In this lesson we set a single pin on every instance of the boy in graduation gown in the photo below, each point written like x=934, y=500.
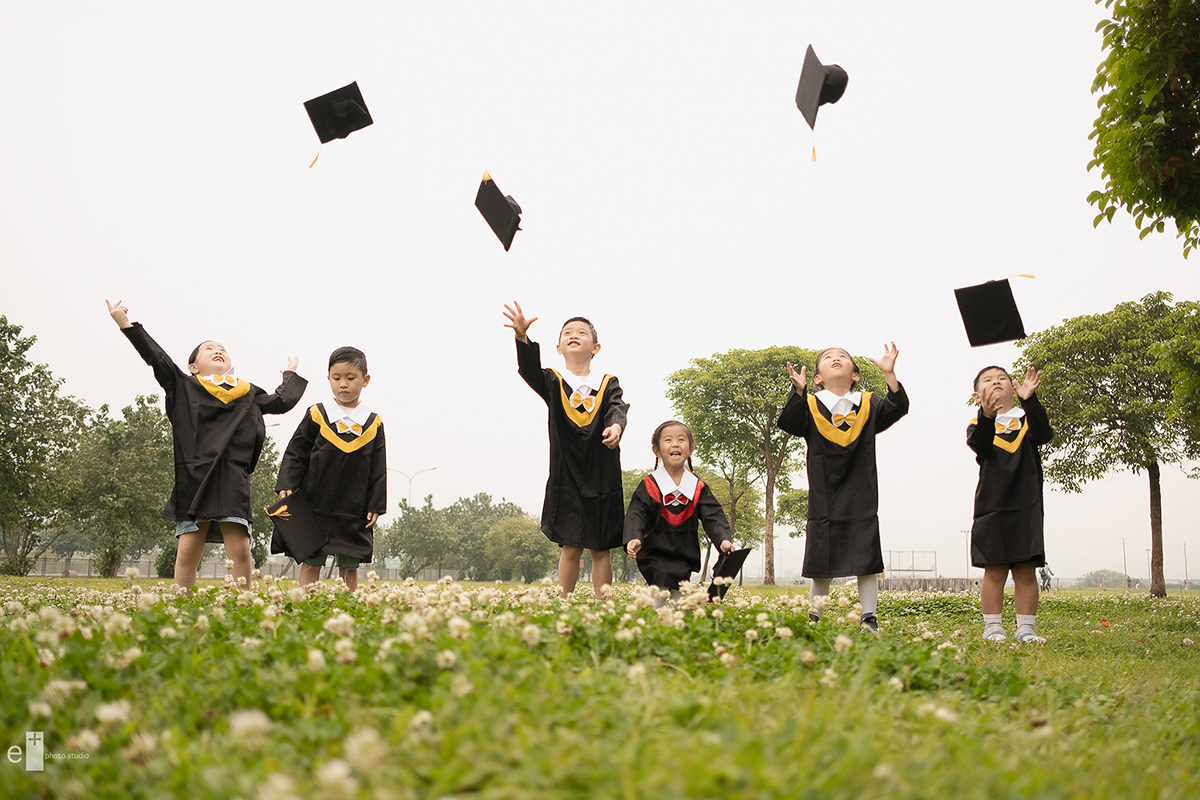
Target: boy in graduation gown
x=839, y=426
x=584, y=505
x=1007, y=531
x=338, y=458
x=218, y=432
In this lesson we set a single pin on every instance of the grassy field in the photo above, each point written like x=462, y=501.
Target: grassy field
x=459, y=690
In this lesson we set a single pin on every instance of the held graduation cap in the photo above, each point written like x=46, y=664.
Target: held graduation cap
x=989, y=313
x=297, y=531
x=728, y=566
x=501, y=211
x=819, y=84
x=338, y=114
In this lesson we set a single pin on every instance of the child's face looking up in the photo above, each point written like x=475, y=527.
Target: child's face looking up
x=674, y=447
x=576, y=339
x=994, y=389
x=837, y=365
x=346, y=381
x=211, y=359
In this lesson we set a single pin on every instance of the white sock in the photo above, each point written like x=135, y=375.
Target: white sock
x=868, y=593
x=993, y=622
x=819, y=588
x=1025, y=623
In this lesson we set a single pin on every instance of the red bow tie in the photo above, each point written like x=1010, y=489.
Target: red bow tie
x=675, y=498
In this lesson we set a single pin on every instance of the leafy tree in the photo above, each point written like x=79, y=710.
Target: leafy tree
x=1112, y=579
x=470, y=519
x=731, y=401
x=120, y=479
x=38, y=429
x=1148, y=132
x=1180, y=357
x=1110, y=402
x=263, y=494
x=518, y=549
x=420, y=537
x=793, y=510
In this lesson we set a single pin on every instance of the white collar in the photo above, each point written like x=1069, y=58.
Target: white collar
x=666, y=485
x=336, y=411
x=217, y=380
x=836, y=404
x=1016, y=412
x=575, y=382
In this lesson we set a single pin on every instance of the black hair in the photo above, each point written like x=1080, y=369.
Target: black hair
x=349, y=355
x=654, y=437
x=853, y=363
x=591, y=327
x=975, y=384
x=196, y=353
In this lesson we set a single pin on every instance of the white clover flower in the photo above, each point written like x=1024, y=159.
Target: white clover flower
x=563, y=628
x=56, y=692
x=201, y=623
x=728, y=659
x=250, y=642
x=1188, y=642
x=458, y=627
x=421, y=720
x=365, y=749
x=249, y=726
x=40, y=709
x=167, y=632
x=783, y=632
x=132, y=573
x=316, y=660
x=334, y=776
x=531, y=634
x=297, y=594
x=625, y=634
x=141, y=748
x=751, y=634
x=636, y=671
x=277, y=787
x=718, y=614
x=446, y=659
x=842, y=643
x=829, y=678
x=460, y=686
x=229, y=565
x=86, y=741
x=341, y=625
x=896, y=683
x=345, y=651
x=699, y=613
x=808, y=658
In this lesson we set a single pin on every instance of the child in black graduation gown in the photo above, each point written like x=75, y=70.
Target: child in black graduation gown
x=338, y=458
x=218, y=432
x=1007, y=531
x=584, y=505
x=839, y=425
x=665, y=512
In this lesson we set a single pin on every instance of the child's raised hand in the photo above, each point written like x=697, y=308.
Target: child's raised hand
x=634, y=546
x=887, y=361
x=797, y=378
x=612, y=436
x=727, y=546
x=518, y=322
x=119, y=313
x=293, y=362
x=1033, y=379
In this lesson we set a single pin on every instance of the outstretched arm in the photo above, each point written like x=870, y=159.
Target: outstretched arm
x=794, y=417
x=165, y=371
x=287, y=394
x=517, y=321
x=887, y=365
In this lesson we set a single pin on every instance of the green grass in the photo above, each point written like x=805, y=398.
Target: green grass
x=541, y=699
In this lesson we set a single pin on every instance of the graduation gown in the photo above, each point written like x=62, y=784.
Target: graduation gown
x=1008, y=526
x=584, y=505
x=343, y=476
x=842, y=534
x=218, y=434
x=669, y=530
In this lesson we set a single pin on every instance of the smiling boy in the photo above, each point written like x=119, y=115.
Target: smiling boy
x=218, y=433
x=337, y=456
x=584, y=506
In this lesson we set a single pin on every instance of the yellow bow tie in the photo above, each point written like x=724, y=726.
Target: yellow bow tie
x=578, y=400
x=847, y=418
x=1013, y=424
x=222, y=380
x=352, y=427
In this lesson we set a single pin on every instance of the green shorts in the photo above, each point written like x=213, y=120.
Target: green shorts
x=343, y=562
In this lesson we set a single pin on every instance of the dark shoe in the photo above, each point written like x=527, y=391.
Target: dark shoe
x=870, y=623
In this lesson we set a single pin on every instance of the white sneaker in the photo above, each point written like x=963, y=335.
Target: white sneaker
x=994, y=635
x=1030, y=637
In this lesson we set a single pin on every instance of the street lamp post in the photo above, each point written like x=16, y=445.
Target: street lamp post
x=1147, y=565
x=1124, y=563
x=1185, y=575
x=410, y=478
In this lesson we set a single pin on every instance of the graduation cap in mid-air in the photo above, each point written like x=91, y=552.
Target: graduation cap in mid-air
x=338, y=114
x=501, y=211
x=728, y=566
x=989, y=313
x=297, y=531
x=819, y=84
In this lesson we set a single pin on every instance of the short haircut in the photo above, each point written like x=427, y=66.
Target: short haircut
x=591, y=327
x=196, y=353
x=978, y=375
x=349, y=355
x=853, y=363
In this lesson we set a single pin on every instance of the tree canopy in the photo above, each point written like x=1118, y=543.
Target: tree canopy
x=1148, y=132
x=517, y=548
x=1109, y=401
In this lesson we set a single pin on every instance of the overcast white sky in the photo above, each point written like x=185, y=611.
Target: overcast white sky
x=158, y=154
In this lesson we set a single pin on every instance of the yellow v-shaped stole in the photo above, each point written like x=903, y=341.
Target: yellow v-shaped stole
x=830, y=431
x=337, y=441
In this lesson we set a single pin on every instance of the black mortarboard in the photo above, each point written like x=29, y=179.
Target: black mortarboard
x=501, y=211
x=990, y=313
x=728, y=566
x=297, y=532
x=338, y=114
x=819, y=84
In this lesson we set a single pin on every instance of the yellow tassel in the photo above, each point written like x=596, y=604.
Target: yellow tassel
x=310, y=166
x=1025, y=275
x=814, y=152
